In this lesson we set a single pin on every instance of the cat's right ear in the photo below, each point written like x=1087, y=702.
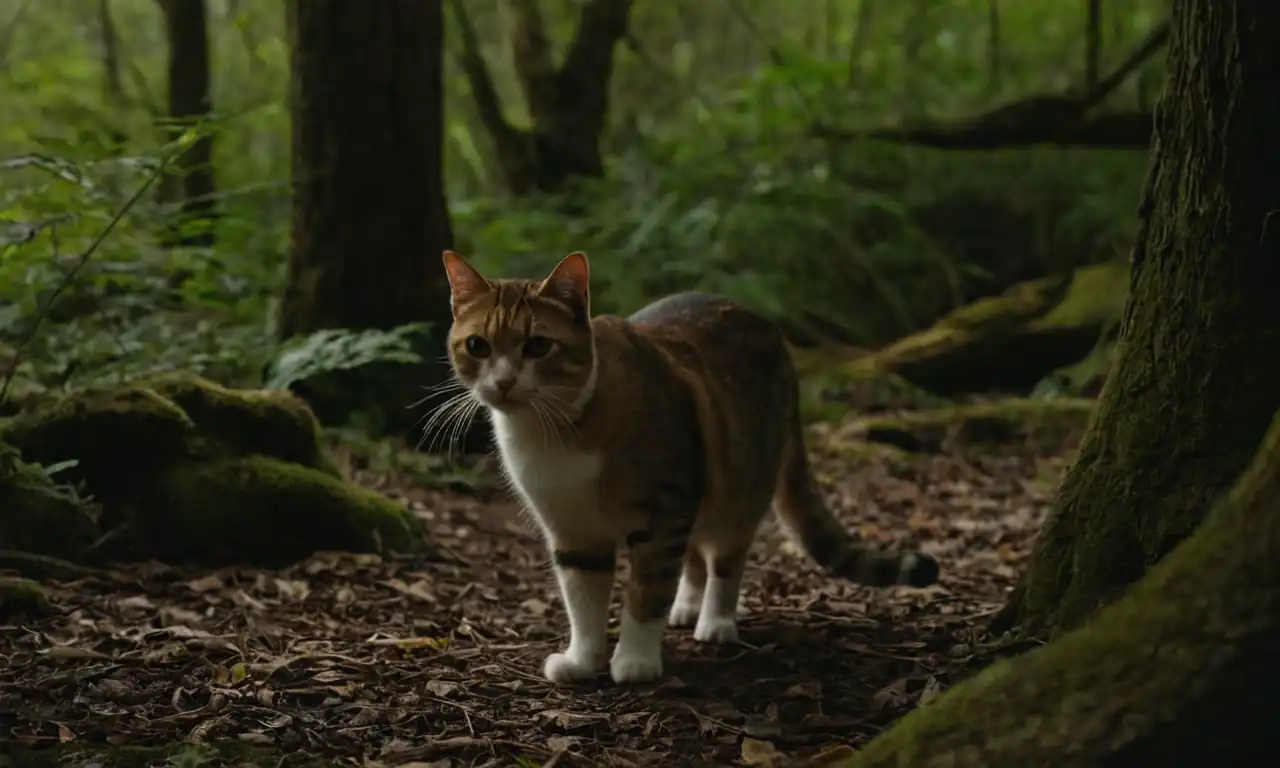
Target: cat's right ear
x=465, y=283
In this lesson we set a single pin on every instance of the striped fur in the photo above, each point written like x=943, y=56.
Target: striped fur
x=670, y=433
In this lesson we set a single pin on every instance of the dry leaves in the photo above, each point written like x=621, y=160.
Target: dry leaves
x=435, y=661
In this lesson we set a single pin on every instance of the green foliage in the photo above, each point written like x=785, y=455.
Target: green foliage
x=715, y=180
x=340, y=349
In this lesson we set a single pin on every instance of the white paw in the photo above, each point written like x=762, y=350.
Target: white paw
x=719, y=630
x=635, y=668
x=563, y=668
x=683, y=614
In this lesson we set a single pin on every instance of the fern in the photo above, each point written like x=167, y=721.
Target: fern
x=334, y=349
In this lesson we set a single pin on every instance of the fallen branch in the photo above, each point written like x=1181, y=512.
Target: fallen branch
x=1061, y=119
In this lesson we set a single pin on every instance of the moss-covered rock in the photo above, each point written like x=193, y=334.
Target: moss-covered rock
x=831, y=385
x=266, y=511
x=36, y=515
x=22, y=598
x=270, y=422
x=1042, y=422
x=1011, y=341
x=118, y=436
x=35, y=521
x=185, y=468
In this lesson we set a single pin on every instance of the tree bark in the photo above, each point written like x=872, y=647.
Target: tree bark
x=1179, y=672
x=1193, y=388
x=568, y=104
x=190, y=100
x=369, y=213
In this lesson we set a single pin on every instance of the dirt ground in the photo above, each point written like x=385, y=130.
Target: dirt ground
x=436, y=660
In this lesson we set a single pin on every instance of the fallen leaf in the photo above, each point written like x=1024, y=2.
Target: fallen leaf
x=441, y=688
x=757, y=752
x=206, y=584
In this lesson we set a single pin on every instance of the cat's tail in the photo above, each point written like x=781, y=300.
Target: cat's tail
x=807, y=520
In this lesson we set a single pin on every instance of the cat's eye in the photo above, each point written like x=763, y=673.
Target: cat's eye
x=478, y=347
x=537, y=346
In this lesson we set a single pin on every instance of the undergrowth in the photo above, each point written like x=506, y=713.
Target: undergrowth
x=714, y=182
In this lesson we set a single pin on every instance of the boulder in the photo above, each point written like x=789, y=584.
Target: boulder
x=178, y=467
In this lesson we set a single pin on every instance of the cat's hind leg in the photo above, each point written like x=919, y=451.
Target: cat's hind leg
x=718, y=618
x=689, y=595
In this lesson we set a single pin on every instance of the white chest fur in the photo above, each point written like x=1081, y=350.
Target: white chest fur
x=559, y=484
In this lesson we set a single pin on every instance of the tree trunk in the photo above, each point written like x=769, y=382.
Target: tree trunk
x=1193, y=387
x=568, y=104
x=1179, y=672
x=369, y=213
x=190, y=100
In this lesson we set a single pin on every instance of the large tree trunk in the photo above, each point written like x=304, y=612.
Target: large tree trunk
x=1195, y=383
x=190, y=100
x=1180, y=672
x=369, y=216
x=568, y=103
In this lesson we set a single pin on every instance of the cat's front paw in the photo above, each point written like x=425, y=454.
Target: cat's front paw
x=635, y=667
x=683, y=614
x=564, y=668
x=719, y=630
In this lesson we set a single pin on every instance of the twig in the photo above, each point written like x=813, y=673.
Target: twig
x=70, y=277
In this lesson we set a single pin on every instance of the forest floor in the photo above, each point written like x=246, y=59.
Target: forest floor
x=436, y=660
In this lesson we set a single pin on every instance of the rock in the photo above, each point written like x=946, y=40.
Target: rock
x=267, y=512
x=118, y=436
x=36, y=516
x=270, y=422
x=182, y=467
x=22, y=598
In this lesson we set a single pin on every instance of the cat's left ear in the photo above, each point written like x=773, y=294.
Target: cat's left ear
x=570, y=282
x=465, y=282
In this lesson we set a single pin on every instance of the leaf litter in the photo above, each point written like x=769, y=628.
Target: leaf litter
x=435, y=659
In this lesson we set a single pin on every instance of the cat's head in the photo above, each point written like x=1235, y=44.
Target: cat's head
x=523, y=343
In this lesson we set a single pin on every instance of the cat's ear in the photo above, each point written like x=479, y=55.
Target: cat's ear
x=570, y=282
x=465, y=283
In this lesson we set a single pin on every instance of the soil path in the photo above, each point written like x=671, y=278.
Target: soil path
x=436, y=660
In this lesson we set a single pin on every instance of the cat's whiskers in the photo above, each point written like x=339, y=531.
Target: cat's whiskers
x=444, y=420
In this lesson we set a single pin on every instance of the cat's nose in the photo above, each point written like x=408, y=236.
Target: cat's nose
x=504, y=383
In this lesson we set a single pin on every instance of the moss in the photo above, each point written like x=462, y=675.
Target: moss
x=270, y=422
x=1013, y=340
x=39, y=522
x=119, y=436
x=833, y=383
x=1049, y=422
x=265, y=511
x=22, y=598
x=1178, y=672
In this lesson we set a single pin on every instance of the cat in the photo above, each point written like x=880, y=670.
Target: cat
x=672, y=431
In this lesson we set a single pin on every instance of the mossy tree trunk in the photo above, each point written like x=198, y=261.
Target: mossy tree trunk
x=1179, y=672
x=568, y=103
x=1195, y=383
x=369, y=213
x=190, y=100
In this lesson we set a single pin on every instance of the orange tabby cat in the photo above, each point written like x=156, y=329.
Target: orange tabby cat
x=673, y=431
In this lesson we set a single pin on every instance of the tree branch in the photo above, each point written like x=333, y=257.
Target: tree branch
x=535, y=68
x=588, y=65
x=488, y=104
x=1040, y=119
